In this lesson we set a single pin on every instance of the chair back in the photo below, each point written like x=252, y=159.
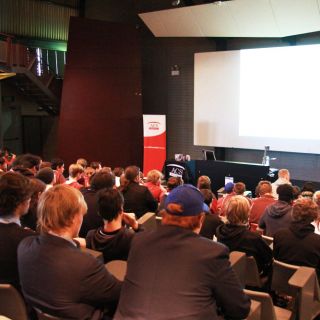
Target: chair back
x=11, y=303
x=96, y=254
x=148, y=221
x=238, y=263
x=118, y=268
x=45, y=316
x=308, y=300
x=252, y=277
x=268, y=311
x=268, y=240
x=282, y=272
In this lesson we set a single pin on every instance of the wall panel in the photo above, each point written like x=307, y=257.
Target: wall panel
x=101, y=112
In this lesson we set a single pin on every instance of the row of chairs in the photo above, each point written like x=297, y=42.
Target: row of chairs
x=301, y=283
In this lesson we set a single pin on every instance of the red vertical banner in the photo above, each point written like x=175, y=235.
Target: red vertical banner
x=154, y=136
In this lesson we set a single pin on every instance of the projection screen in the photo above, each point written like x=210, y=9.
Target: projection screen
x=258, y=97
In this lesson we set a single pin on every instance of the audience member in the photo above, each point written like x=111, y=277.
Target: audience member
x=96, y=166
x=278, y=215
x=172, y=183
x=265, y=198
x=118, y=172
x=192, y=274
x=296, y=193
x=154, y=184
x=114, y=238
x=204, y=182
x=137, y=199
x=82, y=162
x=222, y=202
x=58, y=166
x=75, y=173
x=211, y=221
x=45, y=164
x=93, y=220
x=56, y=276
x=8, y=157
x=236, y=236
x=308, y=189
x=14, y=203
x=28, y=164
x=46, y=175
x=30, y=219
x=283, y=178
x=298, y=244
x=3, y=165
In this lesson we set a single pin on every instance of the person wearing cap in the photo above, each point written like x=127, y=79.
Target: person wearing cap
x=278, y=215
x=228, y=189
x=173, y=273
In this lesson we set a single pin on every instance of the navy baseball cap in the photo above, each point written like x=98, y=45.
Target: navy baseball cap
x=189, y=198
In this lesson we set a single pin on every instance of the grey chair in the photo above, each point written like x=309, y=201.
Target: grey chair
x=302, y=284
x=118, y=268
x=96, y=254
x=12, y=304
x=268, y=240
x=268, y=310
x=238, y=263
x=252, y=276
x=148, y=221
x=45, y=316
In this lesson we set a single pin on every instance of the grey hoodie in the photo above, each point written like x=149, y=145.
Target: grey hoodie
x=276, y=216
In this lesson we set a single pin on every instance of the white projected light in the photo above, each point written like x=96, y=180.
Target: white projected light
x=257, y=97
x=282, y=83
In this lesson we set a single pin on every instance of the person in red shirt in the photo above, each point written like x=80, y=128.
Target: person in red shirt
x=259, y=204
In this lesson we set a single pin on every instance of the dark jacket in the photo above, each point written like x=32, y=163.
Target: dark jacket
x=276, y=216
x=114, y=245
x=91, y=220
x=239, y=238
x=209, y=226
x=138, y=199
x=174, y=273
x=298, y=245
x=58, y=278
x=10, y=236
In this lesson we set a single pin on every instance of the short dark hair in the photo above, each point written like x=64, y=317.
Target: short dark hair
x=239, y=188
x=131, y=173
x=56, y=162
x=110, y=203
x=95, y=165
x=285, y=192
x=173, y=182
x=118, y=171
x=14, y=189
x=28, y=161
x=46, y=175
x=102, y=179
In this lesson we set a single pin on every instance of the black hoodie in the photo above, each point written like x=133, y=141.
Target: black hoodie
x=298, y=245
x=239, y=238
x=114, y=245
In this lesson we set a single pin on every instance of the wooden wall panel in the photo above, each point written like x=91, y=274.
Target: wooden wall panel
x=101, y=112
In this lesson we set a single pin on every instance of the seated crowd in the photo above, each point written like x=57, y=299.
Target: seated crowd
x=175, y=271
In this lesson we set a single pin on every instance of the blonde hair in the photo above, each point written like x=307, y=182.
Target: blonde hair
x=58, y=206
x=237, y=210
x=74, y=169
x=154, y=176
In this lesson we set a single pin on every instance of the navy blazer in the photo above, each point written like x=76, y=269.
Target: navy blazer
x=60, y=279
x=174, y=273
